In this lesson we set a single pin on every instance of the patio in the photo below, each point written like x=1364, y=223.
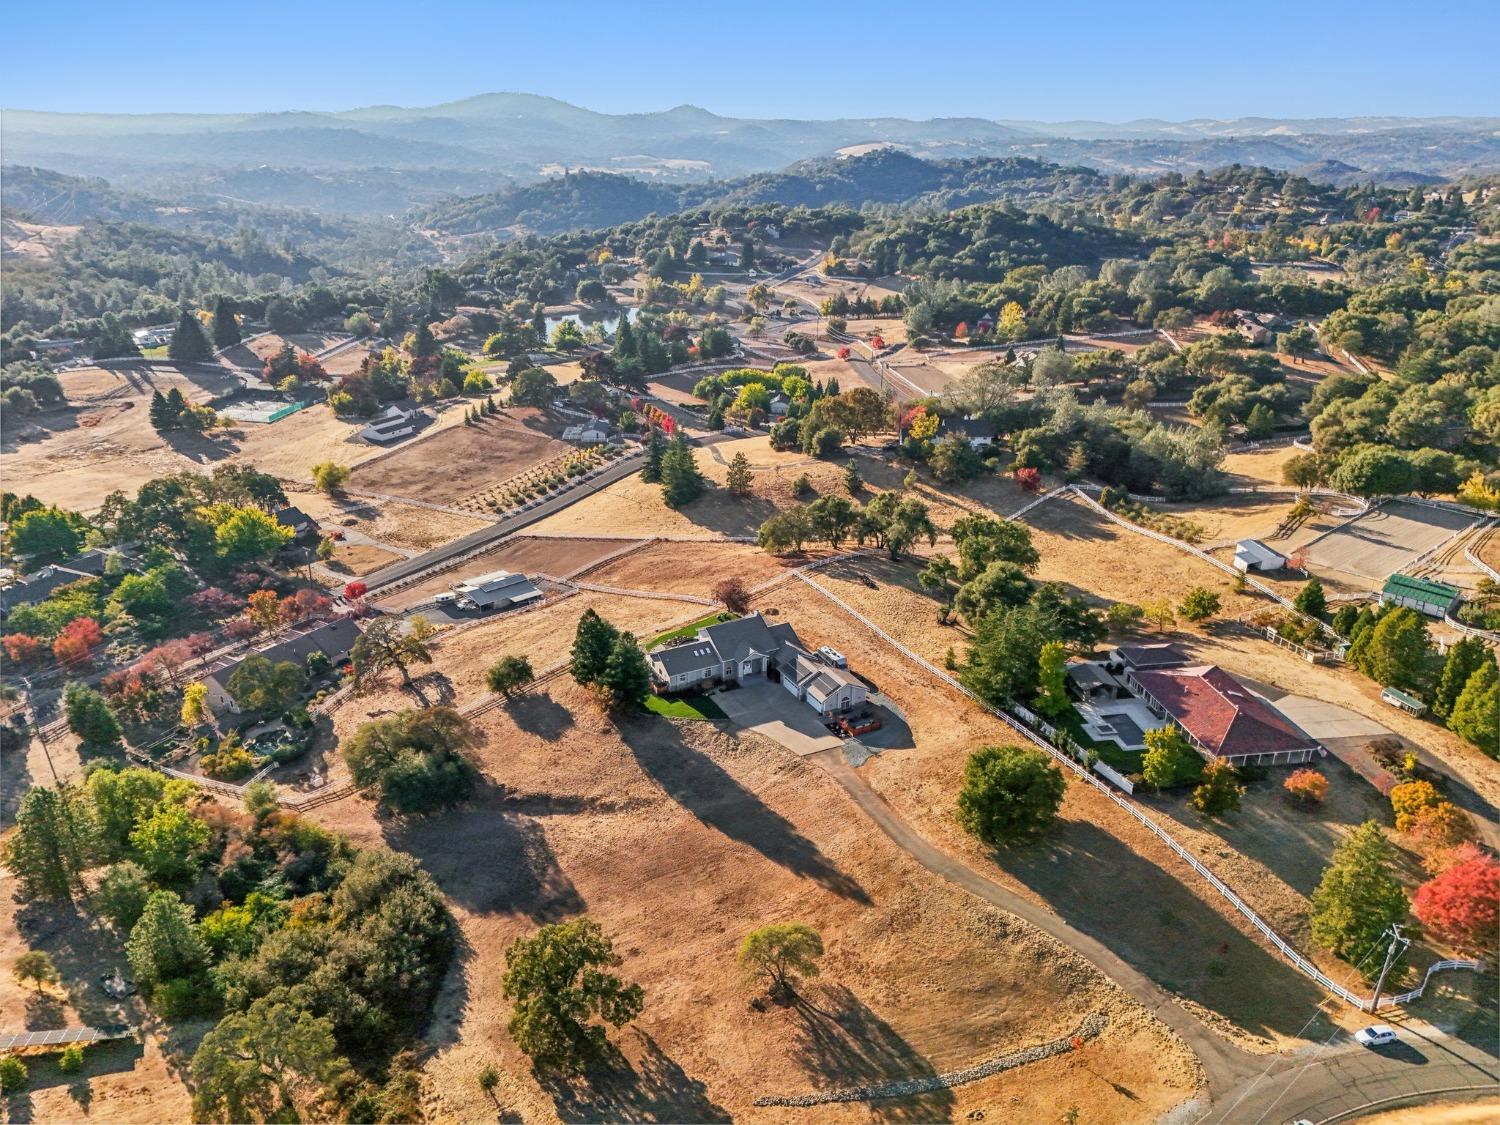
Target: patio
x=1122, y=721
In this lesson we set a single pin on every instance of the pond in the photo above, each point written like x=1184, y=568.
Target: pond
x=607, y=321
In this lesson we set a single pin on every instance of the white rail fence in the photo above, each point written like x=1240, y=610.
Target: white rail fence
x=1299, y=962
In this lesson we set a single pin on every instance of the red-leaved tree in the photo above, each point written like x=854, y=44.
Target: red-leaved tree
x=353, y=591
x=22, y=649
x=77, y=639
x=732, y=592
x=1030, y=479
x=1462, y=905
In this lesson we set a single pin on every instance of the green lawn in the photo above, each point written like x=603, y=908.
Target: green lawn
x=1126, y=761
x=691, y=628
x=155, y=353
x=684, y=707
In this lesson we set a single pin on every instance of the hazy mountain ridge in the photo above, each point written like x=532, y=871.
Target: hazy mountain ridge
x=591, y=200
x=521, y=134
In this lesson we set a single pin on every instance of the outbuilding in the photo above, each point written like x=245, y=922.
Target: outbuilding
x=1252, y=554
x=1436, y=599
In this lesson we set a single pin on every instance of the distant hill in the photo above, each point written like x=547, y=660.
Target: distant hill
x=591, y=200
x=523, y=135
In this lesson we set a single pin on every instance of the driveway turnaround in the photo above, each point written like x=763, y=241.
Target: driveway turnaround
x=1327, y=720
x=771, y=710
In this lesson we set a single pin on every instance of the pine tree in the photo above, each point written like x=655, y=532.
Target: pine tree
x=626, y=680
x=625, y=346
x=1463, y=660
x=656, y=448
x=681, y=481
x=189, y=341
x=115, y=341
x=1476, y=711
x=53, y=842
x=160, y=413
x=425, y=343
x=852, y=480
x=164, y=945
x=1394, y=652
x=177, y=406
x=738, y=479
x=716, y=418
x=1358, y=897
x=226, y=325
x=489, y=405
x=1311, y=600
x=593, y=643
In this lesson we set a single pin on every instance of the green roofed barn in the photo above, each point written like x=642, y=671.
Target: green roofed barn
x=1436, y=599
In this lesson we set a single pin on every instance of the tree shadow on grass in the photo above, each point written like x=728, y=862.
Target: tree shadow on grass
x=652, y=1088
x=540, y=715
x=710, y=793
x=1098, y=884
x=843, y=1043
x=83, y=951
x=1079, y=522
x=489, y=859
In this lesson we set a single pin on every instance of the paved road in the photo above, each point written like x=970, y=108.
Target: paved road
x=1226, y=1066
x=1316, y=1083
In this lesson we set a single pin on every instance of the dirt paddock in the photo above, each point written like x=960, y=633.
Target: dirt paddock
x=1384, y=540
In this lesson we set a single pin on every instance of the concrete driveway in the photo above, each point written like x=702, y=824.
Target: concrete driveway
x=771, y=710
x=1327, y=720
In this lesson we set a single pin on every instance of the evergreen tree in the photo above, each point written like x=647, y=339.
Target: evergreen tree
x=656, y=448
x=425, y=343
x=1394, y=652
x=593, y=644
x=626, y=681
x=189, y=341
x=539, y=321
x=1311, y=600
x=160, y=413
x=739, y=478
x=164, y=945
x=852, y=480
x=177, y=406
x=716, y=418
x=1463, y=660
x=226, y=325
x=1358, y=898
x=1476, y=711
x=681, y=482
x=53, y=842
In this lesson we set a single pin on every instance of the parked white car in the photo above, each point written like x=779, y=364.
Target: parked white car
x=1377, y=1035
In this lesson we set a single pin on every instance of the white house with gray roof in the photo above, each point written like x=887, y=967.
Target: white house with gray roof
x=748, y=649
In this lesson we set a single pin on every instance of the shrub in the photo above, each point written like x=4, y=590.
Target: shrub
x=71, y=1060
x=1410, y=799
x=13, y=1074
x=1221, y=790
x=1307, y=786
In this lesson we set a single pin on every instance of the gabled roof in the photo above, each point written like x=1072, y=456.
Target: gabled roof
x=1258, y=553
x=686, y=656
x=1420, y=589
x=1160, y=654
x=39, y=586
x=292, y=516
x=975, y=429
x=1222, y=714
x=331, y=638
x=735, y=640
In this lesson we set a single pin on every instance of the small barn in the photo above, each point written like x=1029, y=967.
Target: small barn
x=1252, y=554
x=1435, y=599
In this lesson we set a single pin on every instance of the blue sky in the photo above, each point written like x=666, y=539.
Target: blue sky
x=1045, y=59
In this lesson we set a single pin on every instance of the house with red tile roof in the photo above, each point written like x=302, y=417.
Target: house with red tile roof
x=1221, y=717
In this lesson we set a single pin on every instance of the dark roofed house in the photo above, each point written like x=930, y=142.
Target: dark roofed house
x=747, y=649
x=38, y=587
x=976, y=431
x=334, y=639
x=295, y=518
x=1221, y=717
x=1158, y=654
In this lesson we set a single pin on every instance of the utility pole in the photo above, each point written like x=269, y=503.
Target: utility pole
x=1397, y=940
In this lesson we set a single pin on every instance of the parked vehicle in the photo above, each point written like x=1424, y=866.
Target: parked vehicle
x=834, y=657
x=856, y=725
x=1376, y=1035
